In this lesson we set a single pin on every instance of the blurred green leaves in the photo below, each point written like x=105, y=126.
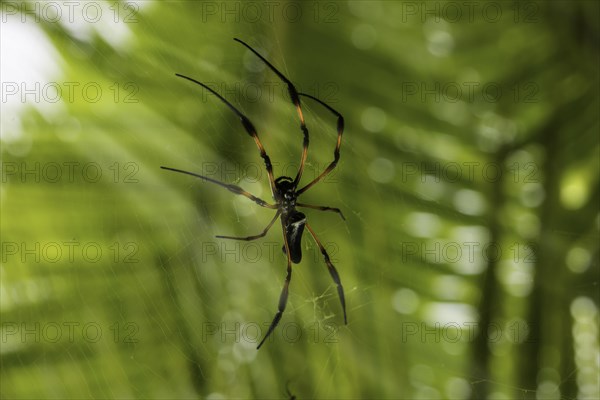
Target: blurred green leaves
x=468, y=175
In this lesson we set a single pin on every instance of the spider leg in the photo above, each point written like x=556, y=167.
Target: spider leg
x=294, y=96
x=336, y=152
x=248, y=126
x=322, y=208
x=262, y=234
x=332, y=271
x=284, y=292
x=232, y=188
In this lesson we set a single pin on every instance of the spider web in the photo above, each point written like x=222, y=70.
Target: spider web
x=313, y=309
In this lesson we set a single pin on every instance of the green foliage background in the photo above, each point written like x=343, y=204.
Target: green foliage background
x=429, y=169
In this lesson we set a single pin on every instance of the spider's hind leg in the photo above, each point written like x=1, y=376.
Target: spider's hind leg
x=332, y=271
x=283, y=297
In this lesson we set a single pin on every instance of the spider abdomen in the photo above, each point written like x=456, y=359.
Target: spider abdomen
x=294, y=226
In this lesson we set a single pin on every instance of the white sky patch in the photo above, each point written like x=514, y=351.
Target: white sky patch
x=28, y=63
x=108, y=20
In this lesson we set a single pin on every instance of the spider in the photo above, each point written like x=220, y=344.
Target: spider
x=284, y=191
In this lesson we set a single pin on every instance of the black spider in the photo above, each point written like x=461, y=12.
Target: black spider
x=285, y=192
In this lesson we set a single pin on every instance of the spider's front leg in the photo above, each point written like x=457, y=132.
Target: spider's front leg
x=248, y=238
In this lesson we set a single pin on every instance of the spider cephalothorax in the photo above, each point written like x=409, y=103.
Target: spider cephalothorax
x=285, y=192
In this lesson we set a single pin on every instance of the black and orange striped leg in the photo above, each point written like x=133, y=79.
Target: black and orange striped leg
x=248, y=126
x=284, y=292
x=322, y=208
x=295, y=97
x=332, y=271
x=232, y=188
x=262, y=234
x=336, y=152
